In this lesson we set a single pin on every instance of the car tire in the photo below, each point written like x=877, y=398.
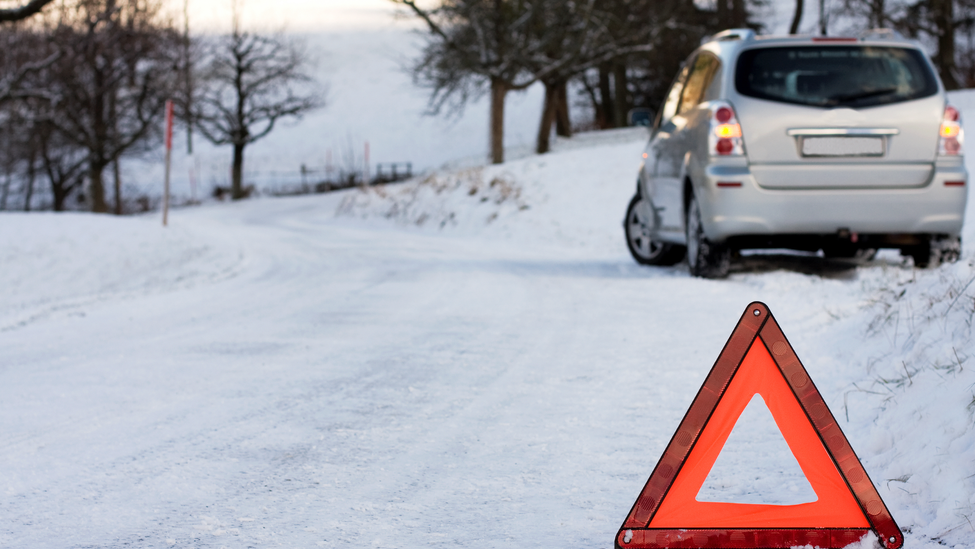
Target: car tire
x=935, y=251
x=645, y=249
x=705, y=259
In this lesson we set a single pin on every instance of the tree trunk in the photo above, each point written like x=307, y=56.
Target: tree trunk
x=878, y=14
x=60, y=188
x=188, y=77
x=31, y=176
x=796, y=18
x=5, y=192
x=620, y=104
x=99, y=105
x=96, y=188
x=498, y=91
x=58, y=203
x=739, y=15
x=118, y=187
x=563, y=125
x=722, y=12
x=823, y=23
x=237, y=173
x=597, y=108
x=543, y=145
x=59, y=195
x=945, y=21
x=606, y=97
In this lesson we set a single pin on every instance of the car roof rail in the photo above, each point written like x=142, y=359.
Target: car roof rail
x=732, y=34
x=880, y=34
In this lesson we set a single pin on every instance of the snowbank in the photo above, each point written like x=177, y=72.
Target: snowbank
x=569, y=198
x=55, y=263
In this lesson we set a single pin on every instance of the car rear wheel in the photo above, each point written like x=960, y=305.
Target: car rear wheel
x=705, y=259
x=936, y=251
x=645, y=249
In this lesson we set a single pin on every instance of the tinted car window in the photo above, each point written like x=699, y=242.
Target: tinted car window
x=669, y=108
x=700, y=78
x=714, y=89
x=833, y=76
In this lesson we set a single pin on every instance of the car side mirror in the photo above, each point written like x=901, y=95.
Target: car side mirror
x=640, y=116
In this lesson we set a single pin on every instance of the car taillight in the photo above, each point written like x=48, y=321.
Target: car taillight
x=952, y=136
x=725, y=137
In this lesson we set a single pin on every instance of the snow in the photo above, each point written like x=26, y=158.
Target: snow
x=467, y=359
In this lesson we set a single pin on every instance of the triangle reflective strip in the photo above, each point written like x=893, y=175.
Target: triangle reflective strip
x=758, y=359
x=835, y=506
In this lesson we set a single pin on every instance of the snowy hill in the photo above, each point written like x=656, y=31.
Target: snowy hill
x=370, y=98
x=467, y=359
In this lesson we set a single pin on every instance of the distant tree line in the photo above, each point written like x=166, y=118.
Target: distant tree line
x=83, y=84
x=623, y=54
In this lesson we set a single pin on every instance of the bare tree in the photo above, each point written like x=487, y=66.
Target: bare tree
x=188, y=57
x=23, y=12
x=965, y=59
x=473, y=45
x=571, y=37
x=62, y=162
x=797, y=17
x=936, y=18
x=942, y=24
x=110, y=82
x=508, y=45
x=9, y=154
x=873, y=14
x=23, y=54
x=247, y=83
x=668, y=30
x=577, y=36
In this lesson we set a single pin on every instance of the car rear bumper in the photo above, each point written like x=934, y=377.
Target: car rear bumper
x=730, y=210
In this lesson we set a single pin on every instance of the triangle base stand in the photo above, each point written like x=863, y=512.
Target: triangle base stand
x=778, y=538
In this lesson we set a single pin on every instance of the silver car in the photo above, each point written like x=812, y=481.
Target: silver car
x=844, y=145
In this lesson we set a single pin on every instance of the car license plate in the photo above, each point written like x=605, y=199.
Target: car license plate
x=843, y=146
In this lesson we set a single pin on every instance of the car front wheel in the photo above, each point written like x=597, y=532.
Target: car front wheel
x=644, y=248
x=705, y=259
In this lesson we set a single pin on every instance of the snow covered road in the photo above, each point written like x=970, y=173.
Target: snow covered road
x=270, y=374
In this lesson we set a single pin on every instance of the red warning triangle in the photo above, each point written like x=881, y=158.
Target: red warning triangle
x=758, y=360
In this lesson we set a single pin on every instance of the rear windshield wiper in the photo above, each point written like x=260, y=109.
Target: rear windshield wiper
x=862, y=95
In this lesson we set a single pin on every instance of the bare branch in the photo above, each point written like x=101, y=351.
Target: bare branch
x=10, y=88
x=17, y=14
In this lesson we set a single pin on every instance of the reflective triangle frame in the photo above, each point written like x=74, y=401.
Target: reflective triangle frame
x=756, y=328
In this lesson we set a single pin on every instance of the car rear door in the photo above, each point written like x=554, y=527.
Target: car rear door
x=673, y=139
x=839, y=116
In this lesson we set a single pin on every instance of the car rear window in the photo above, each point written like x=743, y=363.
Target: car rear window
x=833, y=76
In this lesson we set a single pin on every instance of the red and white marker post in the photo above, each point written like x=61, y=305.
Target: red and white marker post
x=169, y=154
